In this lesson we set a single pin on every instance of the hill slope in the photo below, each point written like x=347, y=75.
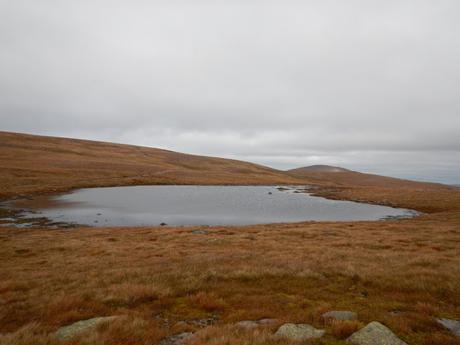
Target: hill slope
x=34, y=164
x=325, y=174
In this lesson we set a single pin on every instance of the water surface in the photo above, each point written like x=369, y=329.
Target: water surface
x=200, y=205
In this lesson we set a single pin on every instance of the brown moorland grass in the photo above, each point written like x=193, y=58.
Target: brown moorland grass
x=401, y=273
x=39, y=164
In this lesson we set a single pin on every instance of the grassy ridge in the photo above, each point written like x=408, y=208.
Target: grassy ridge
x=38, y=164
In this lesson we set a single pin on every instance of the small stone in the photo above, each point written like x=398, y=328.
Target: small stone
x=255, y=323
x=451, y=325
x=203, y=322
x=375, y=334
x=299, y=332
x=247, y=324
x=267, y=321
x=177, y=339
x=78, y=327
x=200, y=232
x=342, y=315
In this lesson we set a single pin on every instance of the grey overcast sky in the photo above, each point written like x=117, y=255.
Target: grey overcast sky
x=372, y=85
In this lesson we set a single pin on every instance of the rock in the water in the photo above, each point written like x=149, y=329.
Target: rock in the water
x=340, y=315
x=375, y=334
x=177, y=339
x=299, y=332
x=72, y=330
x=451, y=325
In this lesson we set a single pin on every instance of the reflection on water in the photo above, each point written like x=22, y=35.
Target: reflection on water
x=200, y=205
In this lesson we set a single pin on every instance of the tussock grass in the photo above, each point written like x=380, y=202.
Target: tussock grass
x=290, y=272
x=343, y=329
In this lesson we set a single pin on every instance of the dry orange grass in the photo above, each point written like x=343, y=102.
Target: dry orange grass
x=401, y=273
x=237, y=336
x=208, y=302
x=291, y=272
x=128, y=330
x=343, y=329
x=37, y=164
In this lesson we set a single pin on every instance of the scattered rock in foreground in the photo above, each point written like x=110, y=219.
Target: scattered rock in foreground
x=247, y=324
x=203, y=322
x=299, y=332
x=255, y=323
x=78, y=327
x=267, y=321
x=193, y=322
x=451, y=325
x=177, y=339
x=375, y=334
x=343, y=315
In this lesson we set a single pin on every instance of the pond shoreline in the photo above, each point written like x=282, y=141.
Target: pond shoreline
x=23, y=215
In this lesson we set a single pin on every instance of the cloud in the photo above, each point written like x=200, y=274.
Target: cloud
x=366, y=84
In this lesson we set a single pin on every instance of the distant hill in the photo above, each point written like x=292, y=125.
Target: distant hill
x=331, y=175
x=353, y=185
x=319, y=168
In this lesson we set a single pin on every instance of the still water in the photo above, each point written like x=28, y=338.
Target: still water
x=200, y=205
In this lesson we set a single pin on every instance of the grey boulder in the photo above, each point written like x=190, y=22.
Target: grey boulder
x=451, y=325
x=375, y=334
x=200, y=232
x=299, y=332
x=255, y=323
x=247, y=324
x=340, y=315
x=177, y=339
x=78, y=327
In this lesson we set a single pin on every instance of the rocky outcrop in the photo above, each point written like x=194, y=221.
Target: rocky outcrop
x=299, y=332
x=375, y=334
x=255, y=323
x=342, y=315
x=451, y=325
x=78, y=327
x=177, y=339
